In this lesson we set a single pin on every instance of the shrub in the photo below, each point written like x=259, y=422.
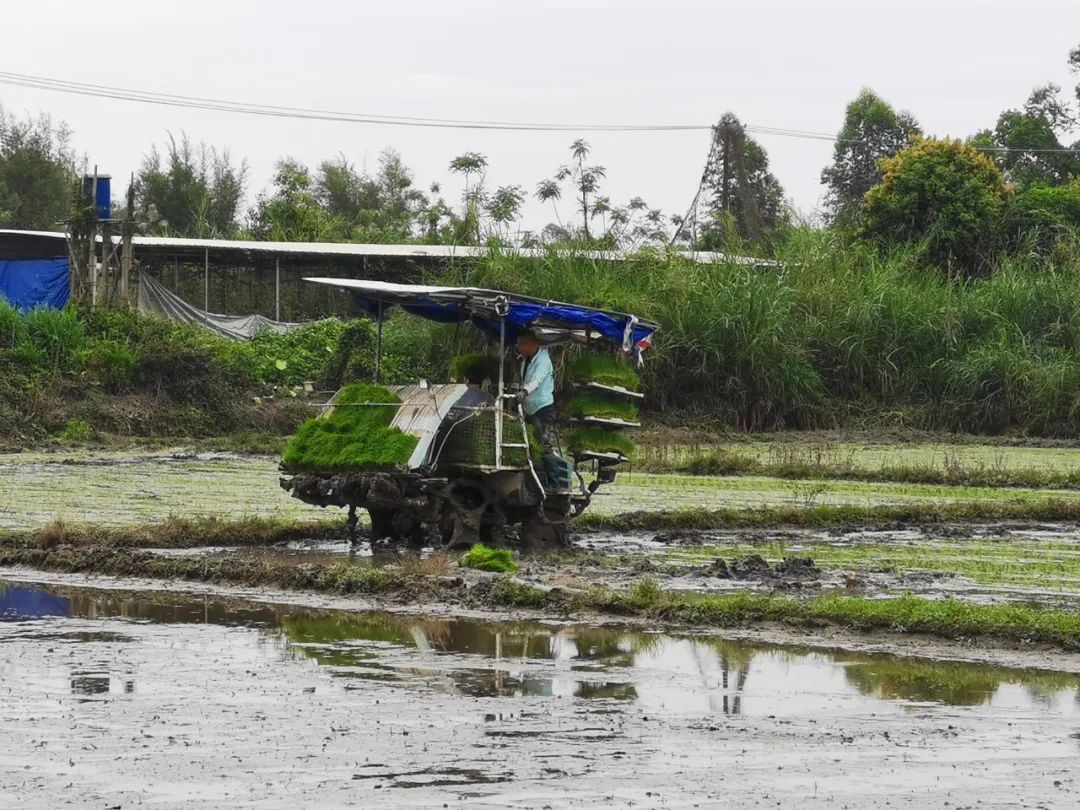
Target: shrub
x=465, y=365
x=58, y=333
x=111, y=363
x=12, y=329
x=946, y=196
x=1041, y=217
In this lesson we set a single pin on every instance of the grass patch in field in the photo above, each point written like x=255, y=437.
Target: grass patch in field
x=975, y=466
x=823, y=515
x=482, y=558
x=947, y=618
x=355, y=436
x=181, y=532
x=1029, y=564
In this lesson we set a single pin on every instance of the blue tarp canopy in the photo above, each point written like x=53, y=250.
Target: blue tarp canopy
x=552, y=321
x=29, y=283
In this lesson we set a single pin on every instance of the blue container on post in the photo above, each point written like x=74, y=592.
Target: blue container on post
x=103, y=195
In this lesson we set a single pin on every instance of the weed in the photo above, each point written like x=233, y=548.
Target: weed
x=645, y=594
x=75, y=431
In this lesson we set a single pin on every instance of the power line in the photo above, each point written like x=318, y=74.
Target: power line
x=310, y=114
x=221, y=105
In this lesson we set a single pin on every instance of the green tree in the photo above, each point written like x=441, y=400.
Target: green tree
x=468, y=164
x=195, y=191
x=37, y=172
x=1028, y=143
x=585, y=178
x=383, y=208
x=944, y=195
x=743, y=198
x=872, y=130
x=291, y=212
x=504, y=207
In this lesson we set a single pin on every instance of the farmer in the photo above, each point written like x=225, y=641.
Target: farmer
x=474, y=396
x=537, y=394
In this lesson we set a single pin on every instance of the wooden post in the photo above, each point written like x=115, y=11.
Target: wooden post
x=91, y=258
x=126, y=242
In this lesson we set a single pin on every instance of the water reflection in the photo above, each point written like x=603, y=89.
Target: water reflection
x=663, y=672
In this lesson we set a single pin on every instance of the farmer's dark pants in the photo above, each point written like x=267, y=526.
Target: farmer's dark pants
x=543, y=422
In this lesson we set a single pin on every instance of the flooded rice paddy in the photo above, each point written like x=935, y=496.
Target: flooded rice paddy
x=115, y=488
x=128, y=699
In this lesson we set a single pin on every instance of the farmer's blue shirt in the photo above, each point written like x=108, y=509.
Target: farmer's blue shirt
x=538, y=380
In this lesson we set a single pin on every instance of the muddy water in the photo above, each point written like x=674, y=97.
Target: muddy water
x=109, y=487
x=115, y=698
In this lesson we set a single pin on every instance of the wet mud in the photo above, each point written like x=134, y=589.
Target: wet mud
x=132, y=699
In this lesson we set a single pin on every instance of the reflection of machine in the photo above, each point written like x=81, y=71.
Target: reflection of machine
x=473, y=473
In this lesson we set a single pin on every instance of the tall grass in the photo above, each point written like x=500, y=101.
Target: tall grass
x=841, y=332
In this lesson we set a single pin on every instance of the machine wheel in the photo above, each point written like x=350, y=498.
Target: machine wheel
x=382, y=523
x=545, y=534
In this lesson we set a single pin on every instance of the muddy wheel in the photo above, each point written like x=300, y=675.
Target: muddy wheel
x=407, y=528
x=540, y=534
x=382, y=523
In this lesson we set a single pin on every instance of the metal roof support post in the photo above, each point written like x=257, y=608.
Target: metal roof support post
x=277, y=289
x=206, y=286
x=378, y=344
x=502, y=391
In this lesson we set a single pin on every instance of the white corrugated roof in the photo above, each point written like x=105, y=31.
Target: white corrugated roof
x=348, y=249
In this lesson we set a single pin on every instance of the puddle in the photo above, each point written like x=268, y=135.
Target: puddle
x=674, y=673
x=117, y=698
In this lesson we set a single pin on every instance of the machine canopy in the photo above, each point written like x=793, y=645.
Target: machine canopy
x=552, y=321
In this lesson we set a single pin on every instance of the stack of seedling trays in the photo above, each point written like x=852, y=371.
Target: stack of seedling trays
x=606, y=401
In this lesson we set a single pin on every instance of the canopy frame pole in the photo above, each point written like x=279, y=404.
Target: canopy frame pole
x=206, y=286
x=277, y=289
x=378, y=344
x=502, y=393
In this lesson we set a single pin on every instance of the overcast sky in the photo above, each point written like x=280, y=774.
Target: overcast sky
x=955, y=65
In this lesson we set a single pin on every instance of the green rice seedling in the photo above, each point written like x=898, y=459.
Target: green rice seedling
x=355, y=436
x=598, y=440
x=588, y=368
x=602, y=406
x=482, y=558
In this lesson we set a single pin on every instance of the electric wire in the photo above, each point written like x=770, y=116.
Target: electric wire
x=305, y=113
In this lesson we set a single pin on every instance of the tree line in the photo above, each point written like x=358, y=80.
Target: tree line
x=959, y=203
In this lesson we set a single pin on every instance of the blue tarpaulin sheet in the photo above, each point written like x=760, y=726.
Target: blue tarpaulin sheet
x=29, y=283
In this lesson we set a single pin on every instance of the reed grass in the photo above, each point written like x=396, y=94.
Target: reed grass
x=840, y=332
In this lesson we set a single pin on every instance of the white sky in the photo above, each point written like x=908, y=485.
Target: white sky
x=795, y=65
